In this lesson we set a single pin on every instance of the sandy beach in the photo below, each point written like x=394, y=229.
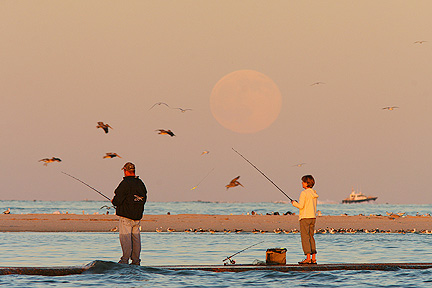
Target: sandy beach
x=213, y=223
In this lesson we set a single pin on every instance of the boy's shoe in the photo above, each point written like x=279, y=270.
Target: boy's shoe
x=305, y=261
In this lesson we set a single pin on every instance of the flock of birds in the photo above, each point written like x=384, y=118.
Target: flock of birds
x=106, y=128
x=233, y=183
x=294, y=231
x=316, y=231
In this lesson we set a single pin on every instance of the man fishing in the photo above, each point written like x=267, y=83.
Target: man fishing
x=129, y=199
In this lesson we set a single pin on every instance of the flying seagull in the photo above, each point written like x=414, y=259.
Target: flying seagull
x=299, y=165
x=103, y=126
x=50, y=160
x=390, y=108
x=111, y=155
x=165, y=132
x=420, y=42
x=317, y=83
x=234, y=182
x=182, y=110
x=205, y=152
x=160, y=103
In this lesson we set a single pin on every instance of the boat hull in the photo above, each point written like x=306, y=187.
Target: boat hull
x=348, y=201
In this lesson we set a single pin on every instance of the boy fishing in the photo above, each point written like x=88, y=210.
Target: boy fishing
x=307, y=216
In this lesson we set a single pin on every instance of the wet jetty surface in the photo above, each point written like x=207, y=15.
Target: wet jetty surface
x=94, y=267
x=44, y=271
x=297, y=267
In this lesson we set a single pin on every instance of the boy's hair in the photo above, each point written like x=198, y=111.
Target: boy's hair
x=309, y=180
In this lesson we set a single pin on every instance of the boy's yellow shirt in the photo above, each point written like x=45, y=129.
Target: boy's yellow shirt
x=307, y=203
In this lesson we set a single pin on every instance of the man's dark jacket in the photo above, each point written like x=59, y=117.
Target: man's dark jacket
x=130, y=197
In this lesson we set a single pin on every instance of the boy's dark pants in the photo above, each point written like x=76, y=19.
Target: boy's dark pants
x=307, y=227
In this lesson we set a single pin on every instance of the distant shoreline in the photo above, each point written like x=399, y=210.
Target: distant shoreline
x=323, y=202
x=215, y=223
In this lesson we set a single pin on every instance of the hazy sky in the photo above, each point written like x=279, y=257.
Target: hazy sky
x=65, y=65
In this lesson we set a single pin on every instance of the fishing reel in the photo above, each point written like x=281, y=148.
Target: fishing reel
x=231, y=261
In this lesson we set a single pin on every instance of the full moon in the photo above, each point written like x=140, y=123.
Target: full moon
x=245, y=101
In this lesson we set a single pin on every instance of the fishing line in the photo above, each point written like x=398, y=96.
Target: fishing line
x=262, y=174
x=202, y=179
x=86, y=185
x=232, y=261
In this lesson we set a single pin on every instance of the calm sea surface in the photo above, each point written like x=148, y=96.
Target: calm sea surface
x=214, y=208
x=72, y=249
x=26, y=249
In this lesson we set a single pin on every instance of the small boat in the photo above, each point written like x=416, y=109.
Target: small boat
x=358, y=197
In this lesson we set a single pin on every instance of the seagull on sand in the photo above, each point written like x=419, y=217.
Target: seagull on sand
x=234, y=182
x=390, y=108
x=111, y=155
x=7, y=211
x=160, y=103
x=165, y=132
x=50, y=160
x=106, y=207
x=103, y=126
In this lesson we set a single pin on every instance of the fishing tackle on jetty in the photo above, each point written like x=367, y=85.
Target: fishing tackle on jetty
x=232, y=262
x=87, y=185
x=263, y=174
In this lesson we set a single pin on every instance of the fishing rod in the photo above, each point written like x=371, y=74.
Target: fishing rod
x=263, y=174
x=86, y=185
x=231, y=260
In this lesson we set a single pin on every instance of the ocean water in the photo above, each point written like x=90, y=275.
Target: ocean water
x=213, y=208
x=30, y=249
x=27, y=249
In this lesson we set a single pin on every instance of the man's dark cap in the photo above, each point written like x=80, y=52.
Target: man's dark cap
x=129, y=167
